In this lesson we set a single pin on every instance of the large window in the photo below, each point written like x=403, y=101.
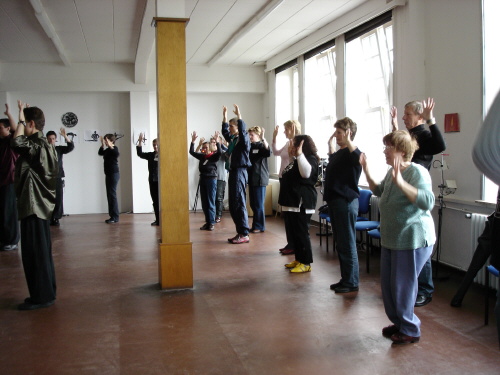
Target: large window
x=287, y=100
x=320, y=96
x=365, y=69
x=369, y=91
x=491, y=79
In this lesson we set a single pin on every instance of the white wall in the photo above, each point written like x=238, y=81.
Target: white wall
x=107, y=112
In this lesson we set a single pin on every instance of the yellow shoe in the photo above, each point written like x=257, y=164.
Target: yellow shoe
x=293, y=264
x=301, y=268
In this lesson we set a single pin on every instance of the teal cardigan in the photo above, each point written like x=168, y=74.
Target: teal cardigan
x=405, y=225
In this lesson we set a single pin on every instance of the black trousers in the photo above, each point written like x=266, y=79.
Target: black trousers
x=36, y=253
x=58, y=208
x=155, y=196
x=219, y=198
x=111, y=184
x=9, y=226
x=238, y=179
x=481, y=255
x=299, y=228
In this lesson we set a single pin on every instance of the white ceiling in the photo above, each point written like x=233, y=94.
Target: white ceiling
x=220, y=32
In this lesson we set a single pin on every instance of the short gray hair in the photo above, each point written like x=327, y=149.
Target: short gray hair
x=416, y=106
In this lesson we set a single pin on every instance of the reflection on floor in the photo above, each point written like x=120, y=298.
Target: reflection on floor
x=245, y=315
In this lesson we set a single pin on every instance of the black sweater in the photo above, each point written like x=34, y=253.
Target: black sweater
x=342, y=175
x=110, y=159
x=152, y=159
x=430, y=142
x=207, y=165
x=296, y=191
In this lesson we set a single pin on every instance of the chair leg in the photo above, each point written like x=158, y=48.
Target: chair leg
x=320, y=232
x=326, y=226
x=487, y=298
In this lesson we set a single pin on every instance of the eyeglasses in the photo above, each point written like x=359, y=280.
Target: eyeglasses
x=388, y=148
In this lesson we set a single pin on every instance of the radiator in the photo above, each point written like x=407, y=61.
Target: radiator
x=477, y=224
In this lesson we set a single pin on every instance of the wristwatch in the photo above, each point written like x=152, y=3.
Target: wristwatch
x=21, y=122
x=431, y=121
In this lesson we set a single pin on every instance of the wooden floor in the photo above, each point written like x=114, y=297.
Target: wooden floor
x=245, y=315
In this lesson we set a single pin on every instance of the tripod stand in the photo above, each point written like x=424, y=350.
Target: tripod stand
x=196, y=197
x=442, y=205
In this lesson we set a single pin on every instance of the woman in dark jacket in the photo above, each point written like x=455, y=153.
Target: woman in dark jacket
x=258, y=177
x=298, y=198
x=208, y=178
x=341, y=193
x=152, y=158
x=110, y=153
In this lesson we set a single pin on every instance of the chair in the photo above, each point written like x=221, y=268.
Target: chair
x=374, y=233
x=364, y=227
x=491, y=269
x=364, y=205
x=326, y=218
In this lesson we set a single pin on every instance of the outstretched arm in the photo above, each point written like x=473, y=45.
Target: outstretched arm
x=13, y=124
x=363, y=160
x=394, y=118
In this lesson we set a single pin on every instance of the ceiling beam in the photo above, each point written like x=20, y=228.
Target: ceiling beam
x=145, y=44
x=49, y=29
x=270, y=7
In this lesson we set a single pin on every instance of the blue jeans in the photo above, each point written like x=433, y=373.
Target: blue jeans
x=208, y=189
x=399, y=271
x=425, y=283
x=343, y=216
x=257, y=195
x=111, y=184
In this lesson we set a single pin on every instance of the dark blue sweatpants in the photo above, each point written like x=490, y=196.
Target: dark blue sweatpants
x=238, y=179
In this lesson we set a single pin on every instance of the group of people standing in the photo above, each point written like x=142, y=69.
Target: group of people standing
x=243, y=153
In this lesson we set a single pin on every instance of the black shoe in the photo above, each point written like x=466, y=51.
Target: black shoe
x=54, y=222
x=207, y=226
x=111, y=221
x=346, y=289
x=155, y=223
x=29, y=305
x=422, y=300
x=336, y=285
x=456, y=302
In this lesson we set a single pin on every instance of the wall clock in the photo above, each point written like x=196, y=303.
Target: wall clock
x=69, y=119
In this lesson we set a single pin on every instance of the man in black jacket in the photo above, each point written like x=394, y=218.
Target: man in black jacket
x=430, y=142
x=238, y=154
x=60, y=150
x=152, y=158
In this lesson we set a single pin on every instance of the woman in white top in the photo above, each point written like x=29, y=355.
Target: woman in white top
x=292, y=128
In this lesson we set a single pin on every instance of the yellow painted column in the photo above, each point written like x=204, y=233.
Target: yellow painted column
x=175, y=248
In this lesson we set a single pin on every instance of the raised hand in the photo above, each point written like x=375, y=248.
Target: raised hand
x=275, y=132
x=397, y=178
x=298, y=151
x=193, y=137
x=263, y=133
x=363, y=160
x=428, y=105
x=7, y=112
x=347, y=138
x=237, y=111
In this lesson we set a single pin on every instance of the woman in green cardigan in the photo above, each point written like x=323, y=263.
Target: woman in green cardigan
x=407, y=233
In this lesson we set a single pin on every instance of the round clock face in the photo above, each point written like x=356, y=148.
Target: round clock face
x=69, y=119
